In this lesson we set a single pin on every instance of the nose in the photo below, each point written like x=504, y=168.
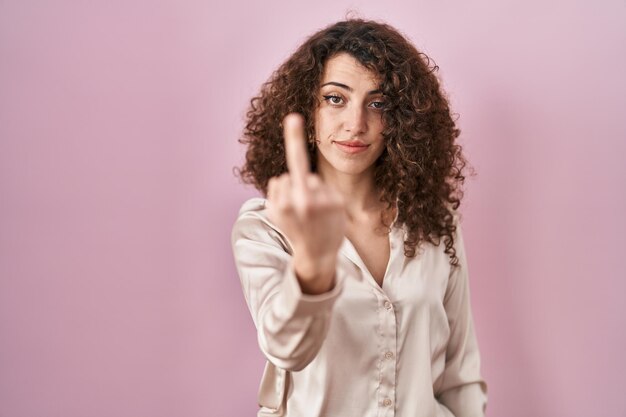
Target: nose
x=355, y=121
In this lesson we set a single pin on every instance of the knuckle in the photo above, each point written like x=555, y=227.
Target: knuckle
x=284, y=205
x=304, y=204
x=285, y=180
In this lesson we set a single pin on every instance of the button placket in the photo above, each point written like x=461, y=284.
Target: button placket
x=387, y=359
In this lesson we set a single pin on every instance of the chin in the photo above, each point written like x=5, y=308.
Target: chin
x=346, y=165
x=351, y=168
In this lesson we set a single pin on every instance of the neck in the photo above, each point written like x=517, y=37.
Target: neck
x=358, y=190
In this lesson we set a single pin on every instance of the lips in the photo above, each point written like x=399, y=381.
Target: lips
x=352, y=146
x=353, y=143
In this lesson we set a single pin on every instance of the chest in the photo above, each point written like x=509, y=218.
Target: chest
x=372, y=246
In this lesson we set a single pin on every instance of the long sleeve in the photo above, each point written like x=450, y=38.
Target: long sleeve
x=461, y=390
x=291, y=326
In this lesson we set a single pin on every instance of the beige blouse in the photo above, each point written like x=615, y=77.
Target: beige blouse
x=406, y=349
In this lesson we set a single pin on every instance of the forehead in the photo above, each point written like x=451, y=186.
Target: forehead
x=344, y=68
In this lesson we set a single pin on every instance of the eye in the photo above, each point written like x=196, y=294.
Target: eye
x=332, y=99
x=378, y=105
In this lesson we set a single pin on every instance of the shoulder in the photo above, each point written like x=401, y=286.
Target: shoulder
x=253, y=224
x=252, y=206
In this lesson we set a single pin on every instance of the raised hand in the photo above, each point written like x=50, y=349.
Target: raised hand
x=309, y=212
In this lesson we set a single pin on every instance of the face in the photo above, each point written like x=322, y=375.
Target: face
x=348, y=121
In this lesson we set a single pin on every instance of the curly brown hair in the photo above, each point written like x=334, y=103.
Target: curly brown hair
x=421, y=169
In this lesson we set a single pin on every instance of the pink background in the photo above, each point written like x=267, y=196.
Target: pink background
x=118, y=129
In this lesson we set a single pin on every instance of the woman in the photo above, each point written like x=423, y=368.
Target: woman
x=353, y=267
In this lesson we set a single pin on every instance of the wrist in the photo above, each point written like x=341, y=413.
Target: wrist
x=315, y=276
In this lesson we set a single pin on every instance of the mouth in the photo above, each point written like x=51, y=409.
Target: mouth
x=351, y=147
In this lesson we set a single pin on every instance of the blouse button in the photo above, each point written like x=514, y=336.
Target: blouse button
x=387, y=305
x=389, y=355
x=386, y=402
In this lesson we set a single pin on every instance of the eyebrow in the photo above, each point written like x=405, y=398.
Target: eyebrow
x=369, y=93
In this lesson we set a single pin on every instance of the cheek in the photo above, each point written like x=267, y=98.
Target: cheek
x=324, y=127
x=377, y=122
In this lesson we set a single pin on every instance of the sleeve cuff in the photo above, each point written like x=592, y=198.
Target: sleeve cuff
x=299, y=304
